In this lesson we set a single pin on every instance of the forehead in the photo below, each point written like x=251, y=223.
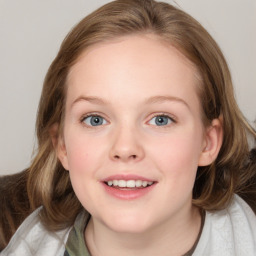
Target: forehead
x=129, y=45
x=136, y=61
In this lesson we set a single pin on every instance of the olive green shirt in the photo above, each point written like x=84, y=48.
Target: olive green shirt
x=75, y=245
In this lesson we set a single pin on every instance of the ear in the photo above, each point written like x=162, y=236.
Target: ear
x=59, y=145
x=212, y=143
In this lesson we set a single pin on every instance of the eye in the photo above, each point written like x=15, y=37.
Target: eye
x=161, y=120
x=94, y=120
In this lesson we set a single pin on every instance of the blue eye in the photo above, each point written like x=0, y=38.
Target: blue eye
x=94, y=120
x=160, y=120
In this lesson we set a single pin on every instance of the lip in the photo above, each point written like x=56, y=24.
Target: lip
x=127, y=193
x=127, y=177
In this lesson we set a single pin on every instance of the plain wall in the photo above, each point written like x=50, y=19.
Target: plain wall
x=30, y=35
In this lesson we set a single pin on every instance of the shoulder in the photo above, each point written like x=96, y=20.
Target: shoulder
x=33, y=239
x=231, y=231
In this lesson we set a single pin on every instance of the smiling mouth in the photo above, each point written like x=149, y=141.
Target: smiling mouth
x=128, y=184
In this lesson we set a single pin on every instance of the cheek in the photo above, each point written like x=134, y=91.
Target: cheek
x=78, y=156
x=82, y=155
x=178, y=154
x=83, y=158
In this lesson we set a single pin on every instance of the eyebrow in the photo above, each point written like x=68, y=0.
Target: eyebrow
x=162, y=99
x=94, y=100
x=151, y=100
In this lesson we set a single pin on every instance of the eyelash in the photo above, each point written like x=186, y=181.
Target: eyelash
x=171, y=119
x=83, y=118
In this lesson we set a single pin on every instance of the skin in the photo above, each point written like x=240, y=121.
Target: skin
x=128, y=82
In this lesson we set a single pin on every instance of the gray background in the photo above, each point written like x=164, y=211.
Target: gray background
x=31, y=32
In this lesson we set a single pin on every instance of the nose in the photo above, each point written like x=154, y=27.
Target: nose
x=127, y=146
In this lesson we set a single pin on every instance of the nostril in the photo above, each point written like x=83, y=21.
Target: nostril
x=117, y=157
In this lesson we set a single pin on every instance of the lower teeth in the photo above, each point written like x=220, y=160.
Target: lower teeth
x=117, y=187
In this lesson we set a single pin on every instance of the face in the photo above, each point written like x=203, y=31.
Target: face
x=133, y=136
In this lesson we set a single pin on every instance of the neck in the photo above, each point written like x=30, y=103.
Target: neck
x=168, y=238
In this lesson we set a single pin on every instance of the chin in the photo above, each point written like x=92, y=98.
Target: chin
x=129, y=224
x=129, y=229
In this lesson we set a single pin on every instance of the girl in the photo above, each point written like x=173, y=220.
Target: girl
x=142, y=149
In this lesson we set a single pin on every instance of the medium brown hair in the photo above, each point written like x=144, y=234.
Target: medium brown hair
x=14, y=203
x=48, y=182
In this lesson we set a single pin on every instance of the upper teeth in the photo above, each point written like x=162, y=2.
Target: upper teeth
x=129, y=183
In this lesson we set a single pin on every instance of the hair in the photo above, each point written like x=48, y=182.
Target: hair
x=48, y=183
x=15, y=206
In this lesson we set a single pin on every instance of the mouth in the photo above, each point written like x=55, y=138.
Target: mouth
x=128, y=187
x=129, y=184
